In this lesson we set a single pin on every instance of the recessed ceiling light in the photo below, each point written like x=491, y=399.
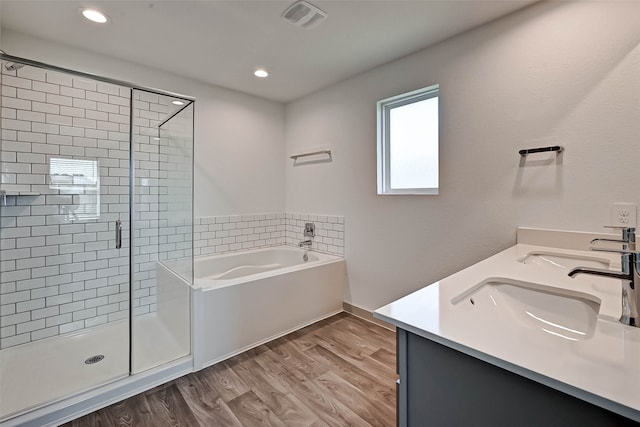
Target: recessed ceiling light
x=95, y=16
x=177, y=102
x=261, y=73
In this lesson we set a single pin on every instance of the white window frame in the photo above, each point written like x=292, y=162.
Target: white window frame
x=81, y=186
x=384, y=108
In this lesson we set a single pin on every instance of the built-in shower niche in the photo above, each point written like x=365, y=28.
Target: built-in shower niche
x=67, y=273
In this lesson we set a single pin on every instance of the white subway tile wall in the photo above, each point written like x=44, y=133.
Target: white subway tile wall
x=163, y=191
x=176, y=188
x=222, y=234
x=329, y=231
x=146, y=198
x=65, y=149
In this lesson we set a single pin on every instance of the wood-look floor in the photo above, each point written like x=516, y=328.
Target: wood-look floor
x=337, y=372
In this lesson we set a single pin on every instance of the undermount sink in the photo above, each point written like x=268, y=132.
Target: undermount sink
x=563, y=261
x=554, y=311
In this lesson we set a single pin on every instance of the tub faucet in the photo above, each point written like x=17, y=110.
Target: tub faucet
x=306, y=243
x=630, y=275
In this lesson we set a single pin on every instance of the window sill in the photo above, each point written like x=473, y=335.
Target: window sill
x=410, y=192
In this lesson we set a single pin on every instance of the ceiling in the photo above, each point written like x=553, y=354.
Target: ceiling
x=222, y=42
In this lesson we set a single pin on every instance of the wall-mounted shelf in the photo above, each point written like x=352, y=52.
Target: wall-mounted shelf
x=4, y=194
x=18, y=193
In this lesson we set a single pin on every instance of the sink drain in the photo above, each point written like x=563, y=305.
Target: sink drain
x=94, y=359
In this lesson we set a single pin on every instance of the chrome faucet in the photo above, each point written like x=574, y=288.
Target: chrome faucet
x=305, y=243
x=310, y=232
x=630, y=274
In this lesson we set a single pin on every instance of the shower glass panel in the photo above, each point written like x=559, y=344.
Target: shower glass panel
x=64, y=228
x=163, y=229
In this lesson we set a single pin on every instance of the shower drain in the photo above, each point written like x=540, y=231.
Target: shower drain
x=94, y=359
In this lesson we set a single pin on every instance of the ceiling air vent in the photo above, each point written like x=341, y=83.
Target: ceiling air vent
x=304, y=15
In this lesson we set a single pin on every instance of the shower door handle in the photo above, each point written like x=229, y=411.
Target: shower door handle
x=118, y=234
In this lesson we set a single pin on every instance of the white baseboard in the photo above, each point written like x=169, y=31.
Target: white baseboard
x=266, y=340
x=366, y=315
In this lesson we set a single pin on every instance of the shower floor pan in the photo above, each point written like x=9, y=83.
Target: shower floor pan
x=54, y=368
x=49, y=369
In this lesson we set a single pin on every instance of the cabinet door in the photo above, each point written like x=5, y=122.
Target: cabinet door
x=440, y=386
x=401, y=385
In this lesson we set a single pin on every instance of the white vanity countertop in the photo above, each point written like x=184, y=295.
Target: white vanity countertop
x=602, y=367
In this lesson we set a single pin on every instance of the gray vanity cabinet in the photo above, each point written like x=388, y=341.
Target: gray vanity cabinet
x=440, y=386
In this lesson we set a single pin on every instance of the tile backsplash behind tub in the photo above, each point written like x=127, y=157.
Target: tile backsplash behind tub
x=231, y=233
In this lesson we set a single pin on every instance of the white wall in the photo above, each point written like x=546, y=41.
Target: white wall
x=238, y=138
x=1, y=46
x=555, y=73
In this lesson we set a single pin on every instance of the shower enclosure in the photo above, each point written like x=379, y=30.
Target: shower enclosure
x=96, y=190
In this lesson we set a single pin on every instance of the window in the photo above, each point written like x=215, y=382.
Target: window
x=81, y=179
x=408, y=143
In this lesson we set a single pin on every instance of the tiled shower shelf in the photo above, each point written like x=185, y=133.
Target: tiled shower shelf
x=18, y=193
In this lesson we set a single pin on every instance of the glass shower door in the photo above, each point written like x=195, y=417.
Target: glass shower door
x=163, y=229
x=64, y=224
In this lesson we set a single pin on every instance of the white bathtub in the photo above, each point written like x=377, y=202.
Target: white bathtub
x=244, y=299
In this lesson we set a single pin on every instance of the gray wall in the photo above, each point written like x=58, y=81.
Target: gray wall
x=561, y=73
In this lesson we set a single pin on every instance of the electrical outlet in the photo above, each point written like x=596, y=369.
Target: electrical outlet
x=623, y=214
